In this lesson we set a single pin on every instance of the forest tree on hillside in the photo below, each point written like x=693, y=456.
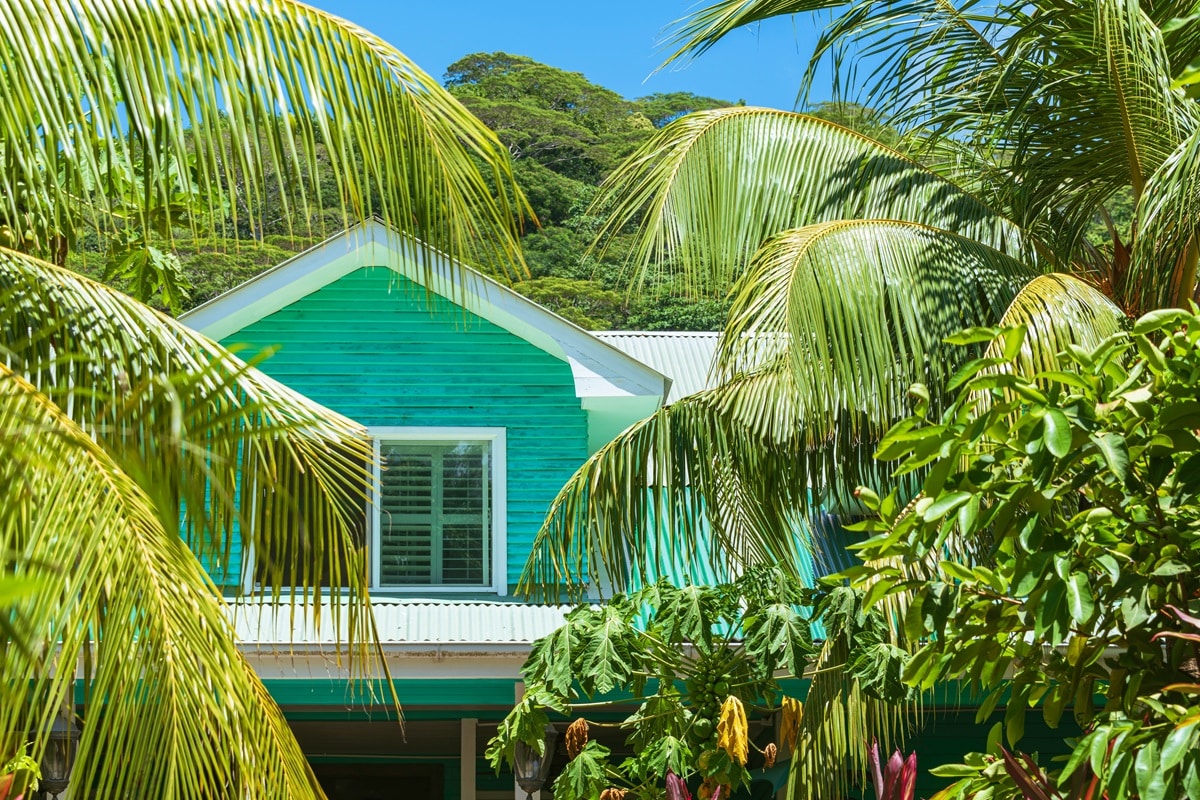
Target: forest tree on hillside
x=565, y=135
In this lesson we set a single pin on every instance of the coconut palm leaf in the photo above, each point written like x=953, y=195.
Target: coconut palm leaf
x=608, y=524
x=863, y=307
x=693, y=35
x=121, y=425
x=829, y=328
x=172, y=708
x=206, y=436
x=217, y=98
x=1072, y=99
x=1089, y=112
x=1058, y=311
x=709, y=189
x=913, y=48
x=839, y=719
x=1167, y=213
x=180, y=430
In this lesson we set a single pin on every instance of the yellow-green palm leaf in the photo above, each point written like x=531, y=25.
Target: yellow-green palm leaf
x=172, y=709
x=829, y=328
x=222, y=97
x=862, y=307
x=181, y=430
x=195, y=426
x=697, y=481
x=1059, y=311
x=710, y=188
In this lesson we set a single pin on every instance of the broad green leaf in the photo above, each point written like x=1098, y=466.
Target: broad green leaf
x=1079, y=598
x=1157, y=321
x=944, y=505
x=1058, y=432
x=1116, y=454
x=958, y=571
x=1148, y=773
x=969, y=336
x=953, y=771
x=1179, y=742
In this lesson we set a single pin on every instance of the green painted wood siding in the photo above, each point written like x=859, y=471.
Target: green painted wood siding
x=378, y=349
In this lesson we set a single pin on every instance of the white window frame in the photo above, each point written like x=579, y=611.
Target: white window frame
x=498, y=440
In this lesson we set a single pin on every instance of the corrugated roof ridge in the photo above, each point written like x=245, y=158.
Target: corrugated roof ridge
x=677, y=334
x=424, y=601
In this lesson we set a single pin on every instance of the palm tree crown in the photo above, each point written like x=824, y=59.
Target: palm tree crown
x=119, y=423
x=851, y=262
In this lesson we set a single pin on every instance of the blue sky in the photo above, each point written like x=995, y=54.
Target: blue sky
x=614, y=43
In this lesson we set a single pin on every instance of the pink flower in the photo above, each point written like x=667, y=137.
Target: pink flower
x=677, y=788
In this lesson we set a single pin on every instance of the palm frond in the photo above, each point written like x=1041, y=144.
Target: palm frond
x=839, y=721
x=1162, y=270
x=910, y=59
x=695, y=34
x=215, y=97
x=829, y=328
x=1057, y=311
x=1074, y=100
x=171, y=707
x=1088, y=109
x=862, y=309
x=695, y=480
x=709, y=189
x=213, y=442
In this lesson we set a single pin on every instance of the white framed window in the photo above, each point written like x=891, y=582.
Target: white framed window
x=438, y=516
x=436, y=519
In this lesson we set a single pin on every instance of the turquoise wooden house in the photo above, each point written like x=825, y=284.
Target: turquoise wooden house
x=480, y=404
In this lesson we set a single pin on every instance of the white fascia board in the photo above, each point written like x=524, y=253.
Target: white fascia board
x=278, y=287
x=599, y=369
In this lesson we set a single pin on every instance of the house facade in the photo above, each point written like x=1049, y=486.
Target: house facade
x=480, y=405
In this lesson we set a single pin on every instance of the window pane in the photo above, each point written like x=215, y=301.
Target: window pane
x=406, y=555
x=462, y=482
x=435, y=513
x=407, y=483
x=464, y=560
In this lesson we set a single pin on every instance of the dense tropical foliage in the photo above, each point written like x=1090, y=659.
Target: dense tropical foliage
x=700, y=663
x=564, y=135
x=1050, y=558
x=853, y=261
x=124, y=121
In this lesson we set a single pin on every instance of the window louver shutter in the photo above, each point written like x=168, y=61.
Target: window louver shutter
x=406, y=511
x=435, y=514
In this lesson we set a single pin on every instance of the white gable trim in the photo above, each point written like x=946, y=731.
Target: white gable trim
x=600, y=370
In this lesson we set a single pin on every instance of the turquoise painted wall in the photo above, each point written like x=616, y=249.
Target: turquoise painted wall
x=377, y=348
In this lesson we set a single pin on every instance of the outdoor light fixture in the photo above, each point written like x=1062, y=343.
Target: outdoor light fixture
x=531, y=769
x=59, y=756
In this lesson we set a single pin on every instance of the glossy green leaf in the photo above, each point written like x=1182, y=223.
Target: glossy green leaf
x=1180, y=742
x=1058, y=432
x=1080, y=602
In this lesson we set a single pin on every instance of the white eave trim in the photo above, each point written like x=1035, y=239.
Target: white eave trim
x=599, y=369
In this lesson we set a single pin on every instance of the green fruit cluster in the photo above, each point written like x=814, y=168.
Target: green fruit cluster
x=707, y=689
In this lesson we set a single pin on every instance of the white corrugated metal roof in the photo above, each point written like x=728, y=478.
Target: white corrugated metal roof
x=406, y=622
x=686, y=357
